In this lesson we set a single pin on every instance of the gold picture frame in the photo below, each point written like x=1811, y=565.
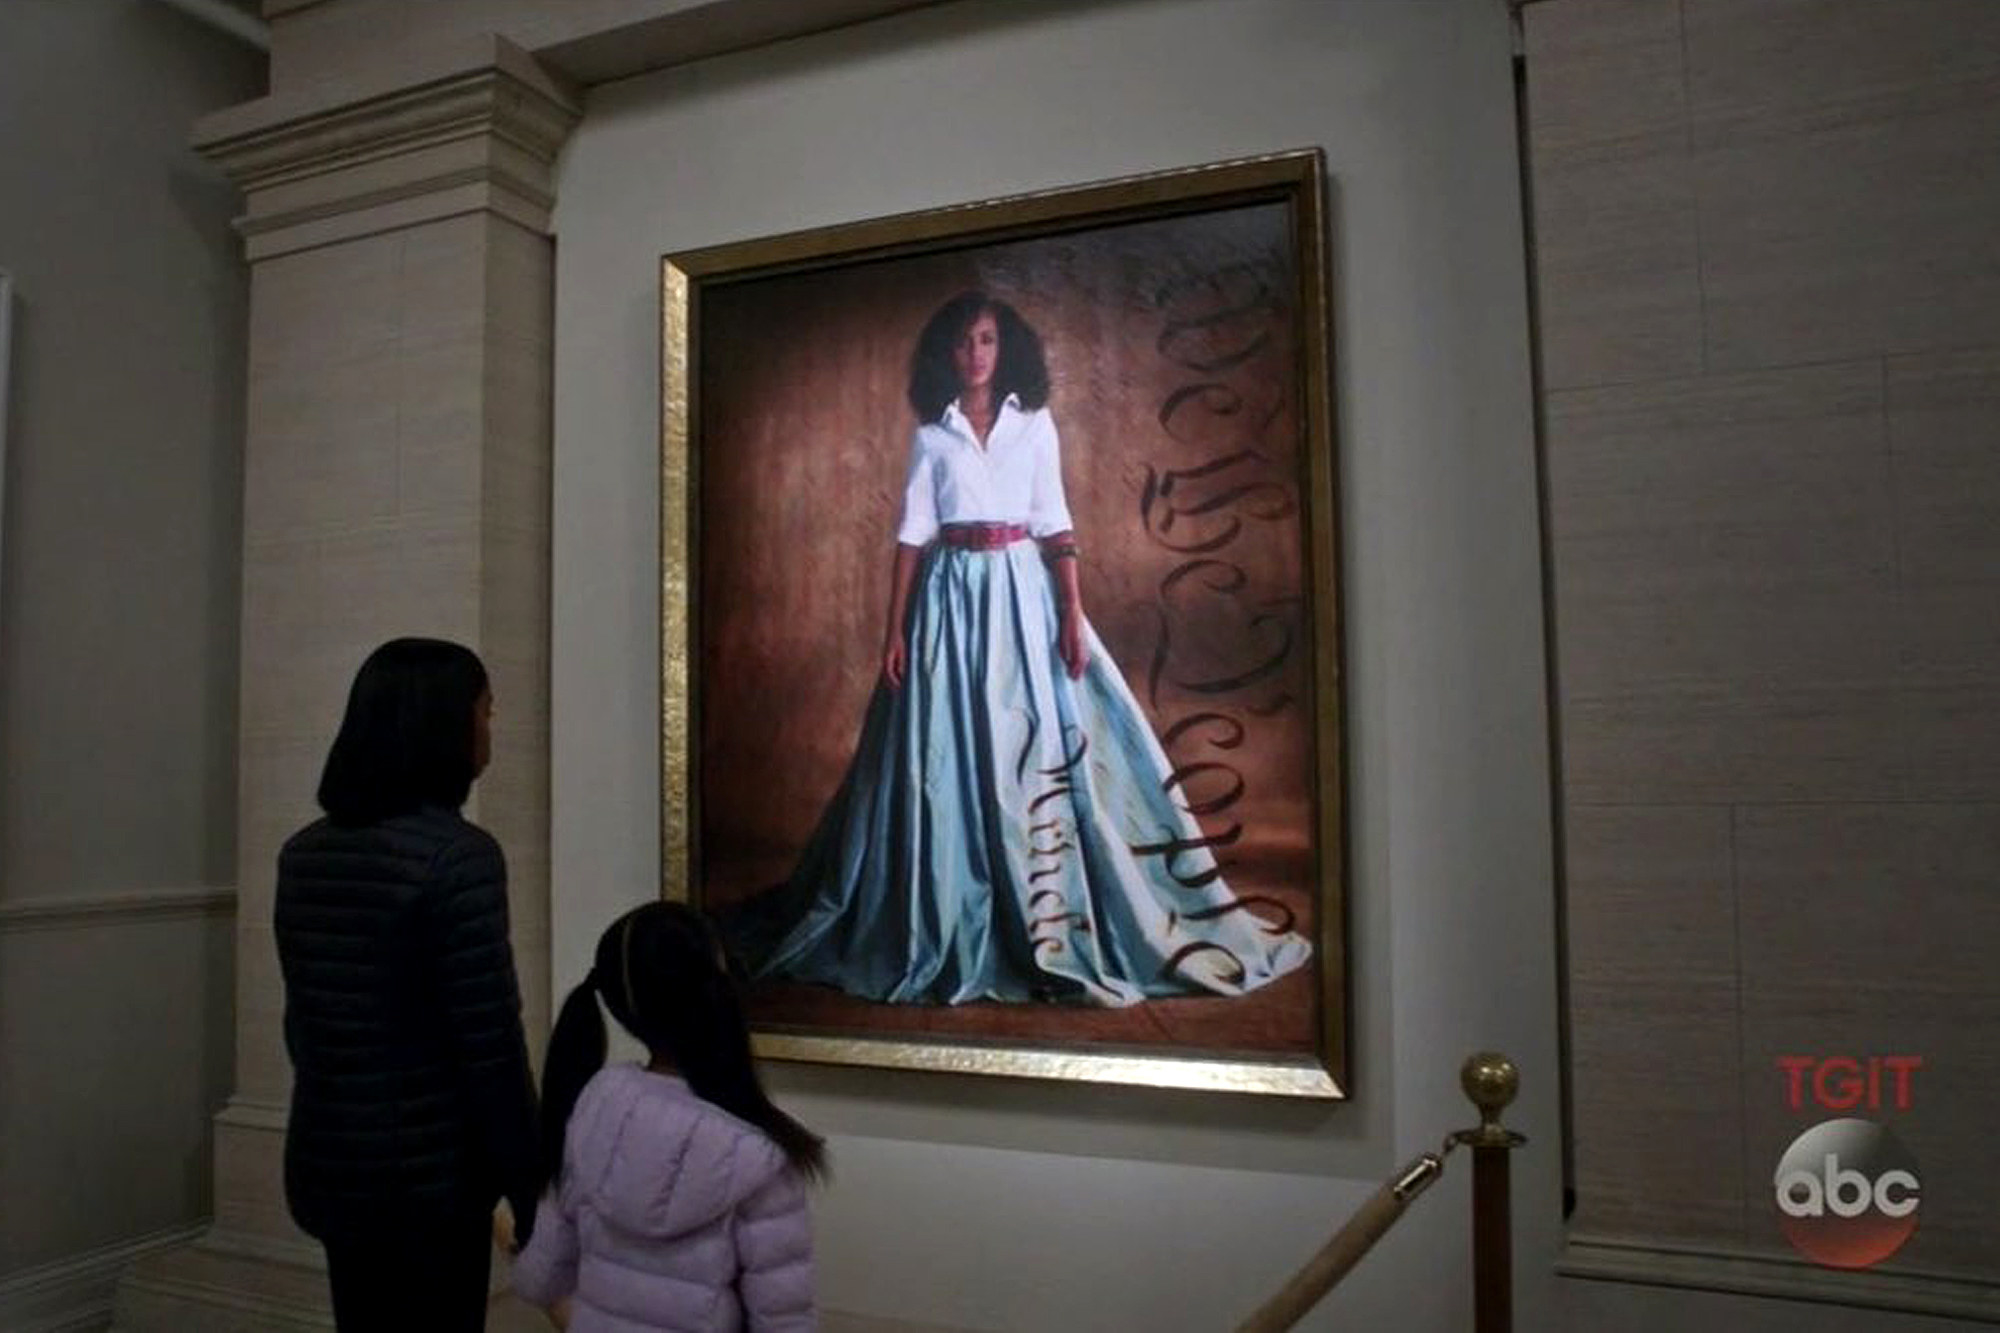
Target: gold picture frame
x=712, y=295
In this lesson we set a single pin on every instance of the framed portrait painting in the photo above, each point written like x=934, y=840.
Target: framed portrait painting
x=1000, y=688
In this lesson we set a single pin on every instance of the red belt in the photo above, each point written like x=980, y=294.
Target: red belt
x=982, y=536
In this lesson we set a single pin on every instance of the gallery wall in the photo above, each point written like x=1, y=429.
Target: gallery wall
x=1740, y=184
x=118, y=600
x=1771, y=348
x=981, y=1203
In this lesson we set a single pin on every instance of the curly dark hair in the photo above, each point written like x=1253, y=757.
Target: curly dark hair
x=1022, y=370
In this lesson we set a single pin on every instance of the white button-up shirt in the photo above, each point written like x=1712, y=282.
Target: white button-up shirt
x=1015, y=478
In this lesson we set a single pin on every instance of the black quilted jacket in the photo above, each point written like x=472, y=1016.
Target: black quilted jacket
x=411, y=1096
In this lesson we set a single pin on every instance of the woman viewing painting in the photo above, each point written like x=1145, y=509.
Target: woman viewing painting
x=986, y=840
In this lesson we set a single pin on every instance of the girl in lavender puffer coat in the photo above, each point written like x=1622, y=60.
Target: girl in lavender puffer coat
x=677, y=1190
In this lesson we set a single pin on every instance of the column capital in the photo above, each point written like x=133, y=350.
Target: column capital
x=479, y=133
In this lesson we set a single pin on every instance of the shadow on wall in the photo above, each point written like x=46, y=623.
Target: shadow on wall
x=14, y=320
x=207, y=205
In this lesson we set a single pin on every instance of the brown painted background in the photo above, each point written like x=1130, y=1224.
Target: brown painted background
x=1175, y=388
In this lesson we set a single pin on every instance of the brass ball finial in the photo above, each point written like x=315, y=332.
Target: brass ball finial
x=1490, y=1081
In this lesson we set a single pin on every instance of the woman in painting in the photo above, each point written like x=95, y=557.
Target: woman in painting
x=1006, y=830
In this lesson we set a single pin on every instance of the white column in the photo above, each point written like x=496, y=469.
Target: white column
x=396, y=481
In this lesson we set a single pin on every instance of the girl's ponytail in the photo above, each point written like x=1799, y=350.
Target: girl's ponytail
x=576, y=1052
x=664, y=975
x=718, y=1066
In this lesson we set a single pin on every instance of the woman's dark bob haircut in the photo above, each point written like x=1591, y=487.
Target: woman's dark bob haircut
x=1022, y=370
x=407, y=739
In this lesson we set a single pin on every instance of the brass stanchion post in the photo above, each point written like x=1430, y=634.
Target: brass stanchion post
x=1490, y=1081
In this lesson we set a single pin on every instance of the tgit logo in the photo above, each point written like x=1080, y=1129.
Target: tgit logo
x=1847, y=1189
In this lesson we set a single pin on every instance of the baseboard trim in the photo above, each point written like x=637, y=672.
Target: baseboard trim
x=226, y=1280
x=58, y=912
x=1651, y=1263
x=77, y=1293
x=243, y=1113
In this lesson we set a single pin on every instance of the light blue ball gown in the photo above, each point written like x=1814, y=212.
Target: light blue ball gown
x=1006, y=831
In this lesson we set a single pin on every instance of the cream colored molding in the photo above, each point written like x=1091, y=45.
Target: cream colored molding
x=76, y=1292
x=113, y=909
x=1744, y=1273
x=248, y=1113
x=230, y=20
x=320, y=170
